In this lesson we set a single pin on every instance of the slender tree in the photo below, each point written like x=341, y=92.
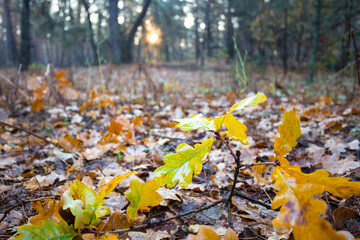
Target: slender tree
x=127, y=50
x=230, y=31
x=11, y=43
x=318, y=6
x=114, y=31
x=25, y=35
x=91, y=31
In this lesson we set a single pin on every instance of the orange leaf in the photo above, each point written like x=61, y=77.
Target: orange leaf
x=37, y=105
x=206, y=233
x=40, y=92
x=60, y=74
x=48, y=210
x=84, y=106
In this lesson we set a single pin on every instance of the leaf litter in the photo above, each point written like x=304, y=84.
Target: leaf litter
x=95, y=138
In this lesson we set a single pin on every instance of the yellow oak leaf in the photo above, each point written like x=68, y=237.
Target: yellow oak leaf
x=248, y=102
x=110, y=186
x=195, y=122
x=289, y=131
x=181, y=165
x=206, y=233
x=235, y=129
x=299, y=210
x=142, y=196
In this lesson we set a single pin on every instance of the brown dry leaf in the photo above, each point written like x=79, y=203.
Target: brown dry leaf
x=135, y=157
x=4, y=188
x=70, y=144
x=39, y=181
x=40, y=92
x=33, y=82
x=46, y=210
x=117, y=221
x=98, y=151
x=149, y=235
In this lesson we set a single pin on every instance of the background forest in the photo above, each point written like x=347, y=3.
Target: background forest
x=291, y=34
x=180, y=119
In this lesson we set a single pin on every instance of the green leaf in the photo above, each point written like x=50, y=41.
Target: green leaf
x=49, y=231
x=195, y=122
x=142, y=196
x=180, y=166
x=248, y=102
x=76, y=208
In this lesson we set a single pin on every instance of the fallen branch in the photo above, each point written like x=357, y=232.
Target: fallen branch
x=171, y=218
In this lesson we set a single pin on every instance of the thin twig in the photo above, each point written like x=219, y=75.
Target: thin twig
x=9, y=81
x=356, y=56
x=171, y=218
x=259, y=163
x=238, y=194
x=31, y=133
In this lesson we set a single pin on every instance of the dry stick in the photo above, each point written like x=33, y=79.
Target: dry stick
x=31, y=133
x=171, y=218
x=9, y=81
x=12, y=93
x=356, y=56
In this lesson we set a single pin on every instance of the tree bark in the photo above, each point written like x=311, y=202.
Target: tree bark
x=284, y=58
x=346, y=42
x=317, y=23
x=10, y=39
x=208, y=27
x=230, y=32
x=114, y=31
x=92, y=37
x=25, y=35
x=127, y=53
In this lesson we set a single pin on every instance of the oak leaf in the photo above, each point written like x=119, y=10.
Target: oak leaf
x=85, y=205
x=48, y=231
x=249, y=102
x=48, y=210
x=289, y=131
x=181, y=165
x=142, y=196
x=195, y=122
x=299, y=210
x=206, y=233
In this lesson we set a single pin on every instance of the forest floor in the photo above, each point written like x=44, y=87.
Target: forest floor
x=58, y=127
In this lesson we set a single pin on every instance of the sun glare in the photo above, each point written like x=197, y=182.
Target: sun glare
x=152, y=33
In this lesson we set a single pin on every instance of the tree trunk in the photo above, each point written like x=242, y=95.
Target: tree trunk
x=298, y=46
x=10, y=39
x=208, y=27
x=346, y=42
x=92, y=40
x=127, y=53
x=230, y=32
x=114, y=32
x=317, y=22
x=284, y=58
x=25, y=35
